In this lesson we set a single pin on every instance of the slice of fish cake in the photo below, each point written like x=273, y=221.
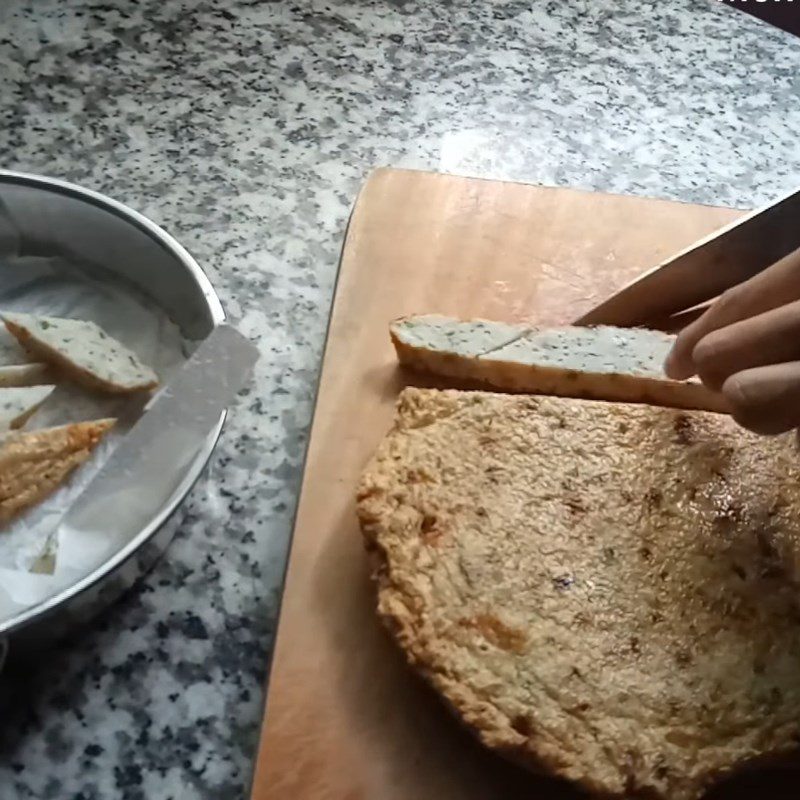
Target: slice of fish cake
x=11, y=353
x=18, y=403
x=83, y=352
x=34, y=463
x=24, y=375
x=601, y=363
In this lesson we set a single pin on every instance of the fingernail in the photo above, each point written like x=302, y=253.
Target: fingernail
x=673, y=368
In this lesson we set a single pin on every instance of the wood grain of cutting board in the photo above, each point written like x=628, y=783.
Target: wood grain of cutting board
x=345, y=718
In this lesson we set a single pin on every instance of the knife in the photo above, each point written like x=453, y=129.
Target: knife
x=703, y=271
x=146, y=468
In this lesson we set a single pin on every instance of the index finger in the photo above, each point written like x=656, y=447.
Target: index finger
x=776, y=286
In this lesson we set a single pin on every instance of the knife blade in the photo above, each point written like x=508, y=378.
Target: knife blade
x=707, y=268
x=147, y=466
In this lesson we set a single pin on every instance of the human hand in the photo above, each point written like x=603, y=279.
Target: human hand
x=747, y=346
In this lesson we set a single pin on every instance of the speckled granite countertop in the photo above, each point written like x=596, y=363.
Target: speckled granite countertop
x=245, y=129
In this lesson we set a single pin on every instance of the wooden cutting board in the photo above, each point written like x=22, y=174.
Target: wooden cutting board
x=345, y=718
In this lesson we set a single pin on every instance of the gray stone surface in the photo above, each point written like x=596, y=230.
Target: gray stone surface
x=245, y=128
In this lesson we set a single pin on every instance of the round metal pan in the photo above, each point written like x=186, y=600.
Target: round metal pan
x=100, y=231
